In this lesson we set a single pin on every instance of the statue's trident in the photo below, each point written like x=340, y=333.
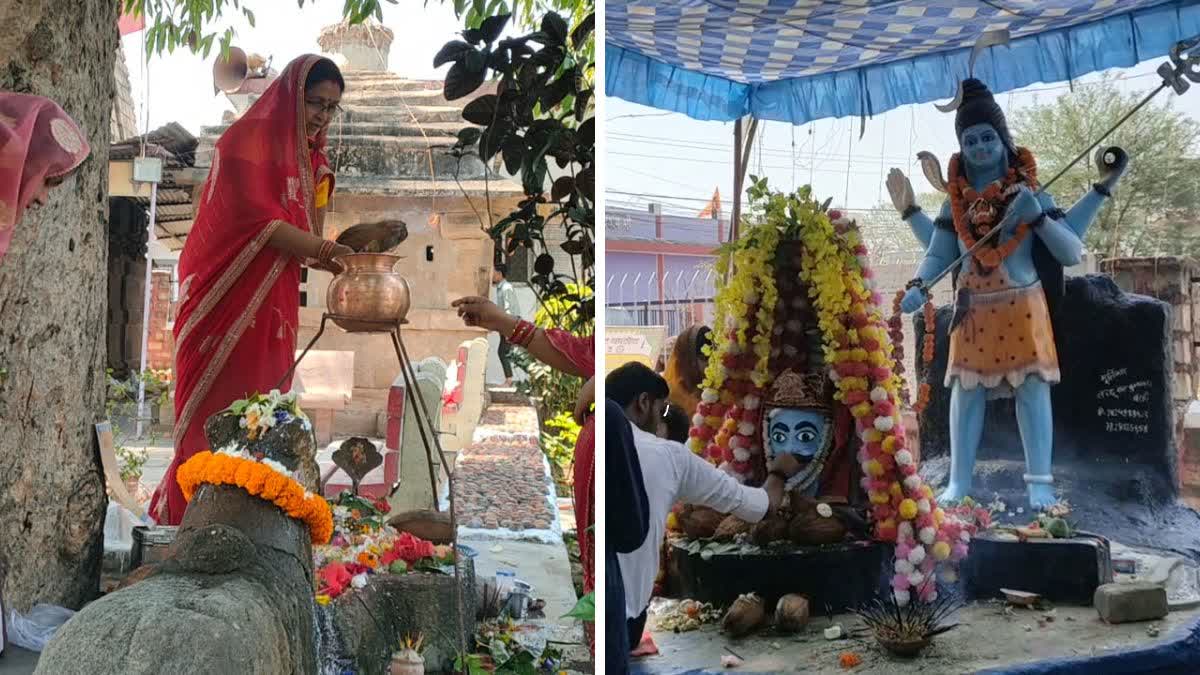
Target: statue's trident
x=1179, y=74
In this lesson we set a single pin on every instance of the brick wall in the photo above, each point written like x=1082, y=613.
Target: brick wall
x=161, y=342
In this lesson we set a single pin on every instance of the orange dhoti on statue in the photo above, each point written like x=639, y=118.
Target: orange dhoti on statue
x=1004, y=337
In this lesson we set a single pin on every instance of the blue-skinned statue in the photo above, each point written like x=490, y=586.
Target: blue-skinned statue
x=1001, y=339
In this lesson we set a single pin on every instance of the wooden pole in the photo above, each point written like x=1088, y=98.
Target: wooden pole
x=736, y=216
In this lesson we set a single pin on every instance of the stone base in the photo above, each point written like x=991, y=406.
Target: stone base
x=834, y=577
x=1064, y=571
x=368, y=623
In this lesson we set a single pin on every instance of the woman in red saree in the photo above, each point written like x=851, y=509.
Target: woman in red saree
x=40, y=146
x=569, y=354
x=260, y=217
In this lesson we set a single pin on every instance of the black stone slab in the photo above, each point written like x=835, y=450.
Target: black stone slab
x=837, y=576
x=1064, y=571
x=1115, y=453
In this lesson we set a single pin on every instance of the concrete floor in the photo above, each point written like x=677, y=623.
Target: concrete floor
x=986, y=637
x=544, y=566
x=17, y=661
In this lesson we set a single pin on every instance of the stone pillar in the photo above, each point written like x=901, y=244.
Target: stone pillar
x=363, y=46
x=415, y=491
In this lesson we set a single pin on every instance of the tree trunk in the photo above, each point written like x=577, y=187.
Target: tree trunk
x=52, y=307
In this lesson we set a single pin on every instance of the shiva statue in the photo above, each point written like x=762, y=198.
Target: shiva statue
x=1001, y=336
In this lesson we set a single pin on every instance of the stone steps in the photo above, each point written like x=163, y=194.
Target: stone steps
x=425, y=187
x=409, y=158
x=374, y=114
x=396, y=127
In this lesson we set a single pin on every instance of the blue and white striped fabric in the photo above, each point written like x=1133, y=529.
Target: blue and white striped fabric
x=801, y=60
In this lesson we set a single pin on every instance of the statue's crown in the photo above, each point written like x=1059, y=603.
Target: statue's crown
x=793, y=390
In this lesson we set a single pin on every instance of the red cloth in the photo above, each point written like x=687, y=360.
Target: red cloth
x=240, y=299
x=581, y=352
x=38, y=141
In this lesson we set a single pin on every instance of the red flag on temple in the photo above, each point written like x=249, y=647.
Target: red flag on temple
x=713, y=210
x=129, y=23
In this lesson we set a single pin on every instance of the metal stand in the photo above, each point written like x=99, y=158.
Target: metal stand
x=429, y=435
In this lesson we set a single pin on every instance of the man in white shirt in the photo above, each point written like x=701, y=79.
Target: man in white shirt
x=506, y=300
x=672, y=474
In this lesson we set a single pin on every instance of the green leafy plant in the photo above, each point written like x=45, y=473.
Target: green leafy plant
x=174, y=24
x=541, y=113
x=584, y=609
x=559, y=435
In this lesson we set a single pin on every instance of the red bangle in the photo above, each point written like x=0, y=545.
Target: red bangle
x=522, y=335
x=326, y=249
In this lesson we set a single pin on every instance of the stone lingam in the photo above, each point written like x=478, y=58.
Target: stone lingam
x=769, y=390
x=235, y=593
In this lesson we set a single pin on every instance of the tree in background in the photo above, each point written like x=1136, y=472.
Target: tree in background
x=1156, y=209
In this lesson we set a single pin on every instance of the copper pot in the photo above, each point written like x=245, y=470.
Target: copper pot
x=369, y=296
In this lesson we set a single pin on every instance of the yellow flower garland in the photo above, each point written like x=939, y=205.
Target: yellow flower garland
x=736, y=333
x=260, y=481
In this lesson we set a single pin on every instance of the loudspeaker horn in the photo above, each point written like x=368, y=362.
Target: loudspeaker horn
x=230, y=72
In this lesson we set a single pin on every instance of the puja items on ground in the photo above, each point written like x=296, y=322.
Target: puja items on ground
x=682, y=616
x=363, y=544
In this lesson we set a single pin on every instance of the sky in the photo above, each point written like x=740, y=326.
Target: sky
x=652, y=153
x=178, y=87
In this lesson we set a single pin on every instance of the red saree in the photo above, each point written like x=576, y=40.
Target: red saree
x=581, y=352
x=239, y=304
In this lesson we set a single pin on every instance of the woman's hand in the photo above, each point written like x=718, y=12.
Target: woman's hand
x=332, y=265
x=583, y=403
x=481, y=312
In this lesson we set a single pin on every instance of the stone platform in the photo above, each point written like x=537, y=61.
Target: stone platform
x=1115, y=448
x=987, y=639
x=1059, y=570
x=834, y=577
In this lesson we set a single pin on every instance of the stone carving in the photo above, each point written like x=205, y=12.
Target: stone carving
x=415, y=490
x=235, y=595
x=173, y=618
x=795, y=420
x=357, y=457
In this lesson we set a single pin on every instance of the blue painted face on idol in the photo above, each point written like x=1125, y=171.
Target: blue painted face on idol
x=795, y=432
x=983, y=150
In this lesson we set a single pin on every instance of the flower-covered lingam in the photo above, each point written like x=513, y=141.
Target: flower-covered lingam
x=799, y=313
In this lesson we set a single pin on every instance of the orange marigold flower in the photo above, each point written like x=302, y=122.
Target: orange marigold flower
x=849, y=660
x=261, y=481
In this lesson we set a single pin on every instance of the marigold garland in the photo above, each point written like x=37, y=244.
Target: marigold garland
x=260, y=481
x=858, y=350
x=724, y=427
x=987, y=207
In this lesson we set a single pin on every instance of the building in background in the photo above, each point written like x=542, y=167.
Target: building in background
x=660, y=267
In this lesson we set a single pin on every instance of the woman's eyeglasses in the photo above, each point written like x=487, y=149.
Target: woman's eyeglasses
x=331, y=109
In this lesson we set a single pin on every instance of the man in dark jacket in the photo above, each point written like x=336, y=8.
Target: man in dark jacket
x=627, y=522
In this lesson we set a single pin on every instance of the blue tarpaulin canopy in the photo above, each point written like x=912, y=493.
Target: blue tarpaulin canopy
x=801, y=60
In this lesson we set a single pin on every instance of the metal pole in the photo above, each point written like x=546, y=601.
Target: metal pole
x=141, y=409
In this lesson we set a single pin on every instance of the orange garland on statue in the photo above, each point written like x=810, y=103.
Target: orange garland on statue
x=989, y=206
x=260, y=481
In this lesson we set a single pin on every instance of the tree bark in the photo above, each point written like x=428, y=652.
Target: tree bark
x=52, y=307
